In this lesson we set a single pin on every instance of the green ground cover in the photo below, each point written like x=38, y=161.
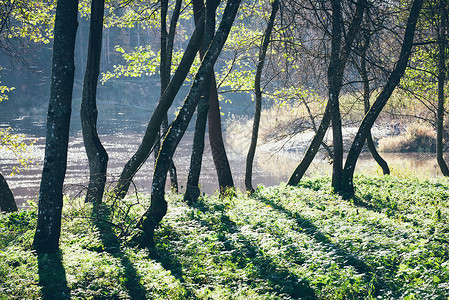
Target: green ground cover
x=391, y=242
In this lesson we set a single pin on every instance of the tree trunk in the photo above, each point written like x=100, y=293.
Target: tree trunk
x=258, y=92
x=165, y=101
x=441, y=81
x=158, y=206
x=336, y=68
x=7, y=203
x=335, y=78
x=196, y=159
x=46, y=238
x=313, y=148
x=165, y=69
x=366, y=95
x=376, y=108
x=96, y=154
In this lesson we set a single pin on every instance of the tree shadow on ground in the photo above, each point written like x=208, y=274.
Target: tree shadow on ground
x=112, y=246
x=344, y=257
x=52, y=276
x=245, y=255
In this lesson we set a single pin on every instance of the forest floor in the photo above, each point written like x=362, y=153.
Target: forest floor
x=390, y=242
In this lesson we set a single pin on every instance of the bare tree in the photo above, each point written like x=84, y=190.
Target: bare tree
x=258, y=92
x=347, y=188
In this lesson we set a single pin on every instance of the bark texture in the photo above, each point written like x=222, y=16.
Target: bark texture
x=46, y=238
x=442, y=70
x=196, y=158
x=378, y=105
x=96, y=153
x=258, y=92
x=165, y=101
x=7, y=203
x=158, y=206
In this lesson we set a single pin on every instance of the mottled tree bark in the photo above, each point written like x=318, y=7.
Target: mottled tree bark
x=258, y=92
x=442, y=69
x=196, y=158
x=165, y=101
x=46, y=238
x=378, y=105
x=96, y=153
x=7, y=203
x=158, y=206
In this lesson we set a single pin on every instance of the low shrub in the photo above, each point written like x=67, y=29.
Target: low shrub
x=417, y=138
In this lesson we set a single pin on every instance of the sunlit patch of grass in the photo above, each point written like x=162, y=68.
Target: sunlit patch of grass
x=303, y=242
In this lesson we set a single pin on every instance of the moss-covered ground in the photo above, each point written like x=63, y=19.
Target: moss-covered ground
x=391, y=242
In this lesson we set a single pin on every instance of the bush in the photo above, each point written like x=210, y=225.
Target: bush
x=418, y=138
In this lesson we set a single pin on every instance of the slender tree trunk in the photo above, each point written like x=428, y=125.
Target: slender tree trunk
x=313, y=148
x=7, y=203
x=158, y=206
x=258, y=92
x=196, y=159
x=220, y=158
x=46, y=238
x=366, y=95
x=441, y=81
x=378, y=105
x=165, y=101
x=335, y=77
x=96, y=154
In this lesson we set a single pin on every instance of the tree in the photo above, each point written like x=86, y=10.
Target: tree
x=158, y=206
x=192, y=190
x=366, y=103
x=96, y=154
x=165, y=101
x=347, y=188
x=258, y=92
x=442, y=32
x=7, y=203
x=336, y=68
x=167, y=41
x=46, y=238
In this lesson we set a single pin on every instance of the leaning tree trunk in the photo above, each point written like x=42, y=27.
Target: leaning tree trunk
x=165, y=101
x=192, y=189
x=313, y=148
x=158, y=206
x=366, y=95
x=7, y=203
x=258, y=92
x=46, y=238
x=378, y=105
x=441, y=80
x=96, y=154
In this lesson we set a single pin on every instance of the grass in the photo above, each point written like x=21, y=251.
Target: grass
x=391, y=242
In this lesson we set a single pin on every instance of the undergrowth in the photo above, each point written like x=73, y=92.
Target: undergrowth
x=390, y=242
